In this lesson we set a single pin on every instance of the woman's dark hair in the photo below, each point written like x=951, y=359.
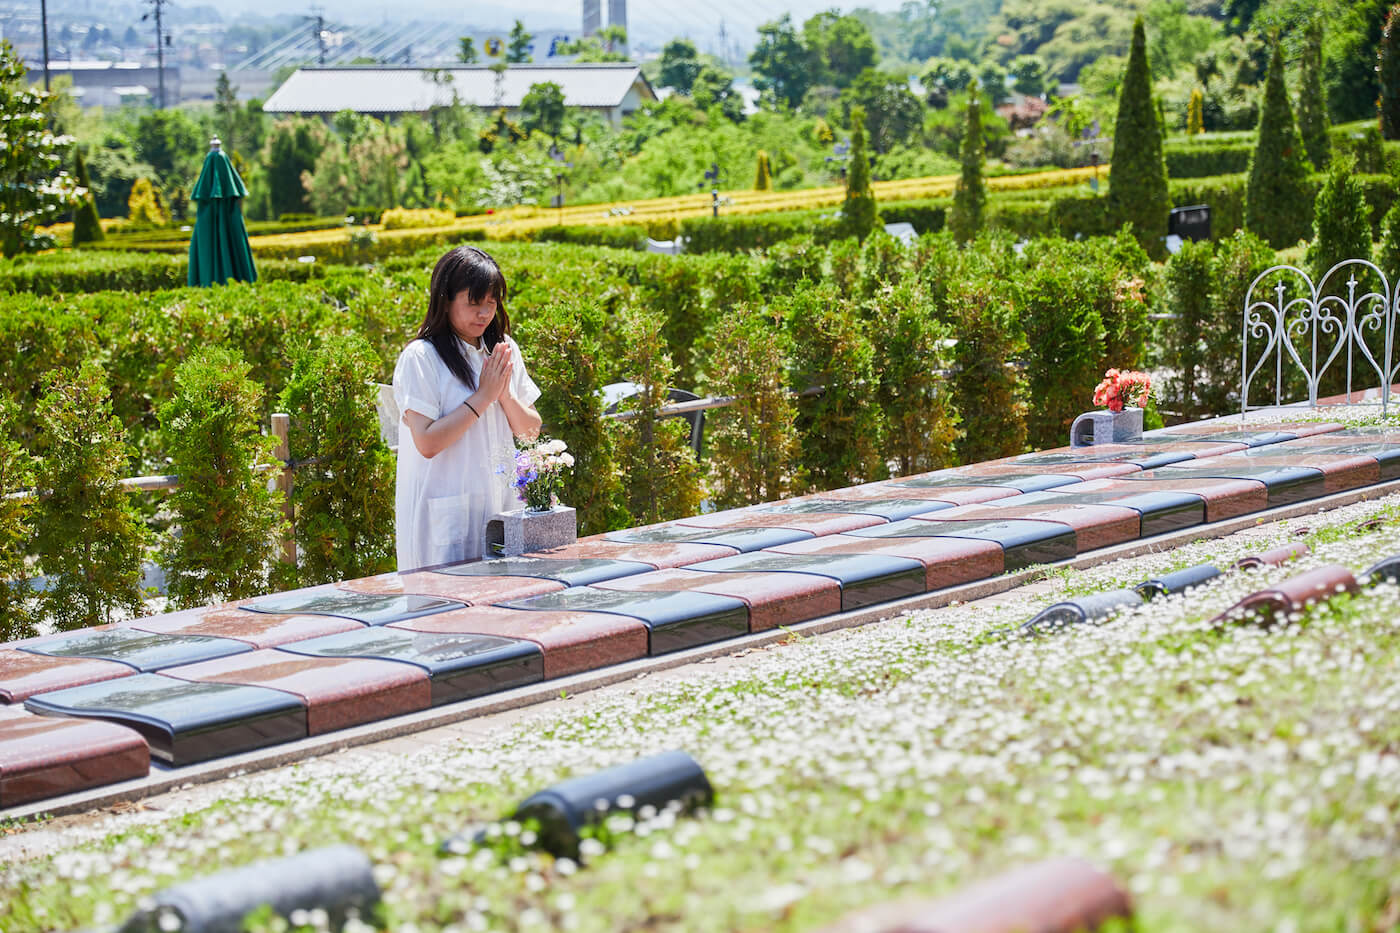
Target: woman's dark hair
x=471, y=270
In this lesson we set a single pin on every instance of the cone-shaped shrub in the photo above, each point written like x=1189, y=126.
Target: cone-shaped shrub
x=660, y=477
x=1388, y=252
x=1278, y=200
x=1137, y=186
x=971, y=195
x=1388, y=70
x=763, y=175
x=226, y=520
x=87, y=225
x=1341, y=221
x=859, y=213
x=1312, y=104
x=752, y=446
x=1195, y=113
x=88, y=536
x=16, y=473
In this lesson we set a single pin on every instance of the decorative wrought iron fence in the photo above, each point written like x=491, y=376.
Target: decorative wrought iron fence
x=1304, y=329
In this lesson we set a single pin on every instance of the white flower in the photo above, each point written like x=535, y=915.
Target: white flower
x=566, y=459
x=554, y=447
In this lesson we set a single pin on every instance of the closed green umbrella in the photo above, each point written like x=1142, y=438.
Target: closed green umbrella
x=219, y=246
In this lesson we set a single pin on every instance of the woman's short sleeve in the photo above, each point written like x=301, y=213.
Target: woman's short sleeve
x=416, y=380
x=522, y=387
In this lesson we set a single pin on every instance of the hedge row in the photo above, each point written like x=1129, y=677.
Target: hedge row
x=67, y=272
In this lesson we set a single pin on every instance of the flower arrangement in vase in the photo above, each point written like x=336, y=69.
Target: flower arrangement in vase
x=539, y=467
x=1122, y=387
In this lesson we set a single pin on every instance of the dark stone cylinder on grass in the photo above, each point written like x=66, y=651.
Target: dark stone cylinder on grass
x=1178, y=581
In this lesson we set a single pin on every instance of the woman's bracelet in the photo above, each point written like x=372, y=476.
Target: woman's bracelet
x=467, y=402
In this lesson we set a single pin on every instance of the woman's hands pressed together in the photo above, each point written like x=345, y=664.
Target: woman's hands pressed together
x=494, y=383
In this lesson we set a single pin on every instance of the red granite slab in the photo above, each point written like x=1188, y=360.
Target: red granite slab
x=1081, y=470
x=1224, y=498
x=818, y=523
x=475, y=591
x=44, y=756
x=1342, y=439
x=259, y=629
x=662, y=555
x=23, y=674
x=947, y=561
x=1095, y=526
x=1197, y=449
x=953, y=495
x=1340, y=472
x=571, y=641
x=774, y=599
x=1229, y=424
x=338, y=692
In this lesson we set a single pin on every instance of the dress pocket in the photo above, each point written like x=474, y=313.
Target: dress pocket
x=449, y=520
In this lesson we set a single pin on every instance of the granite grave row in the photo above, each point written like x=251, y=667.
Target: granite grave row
x=93, y=707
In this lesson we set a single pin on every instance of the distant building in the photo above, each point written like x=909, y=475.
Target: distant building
x=111, y=84
x=611, y=89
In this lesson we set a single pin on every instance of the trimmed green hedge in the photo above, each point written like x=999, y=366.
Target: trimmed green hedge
x=60, y=273
x=1192, y=160
x=621, y=236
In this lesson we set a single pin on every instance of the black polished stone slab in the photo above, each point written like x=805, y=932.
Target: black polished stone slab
x=144, y=651
x=741, y=539
x=1161, y=511
x=570, y=572
x=362, y=607
x=1024, y=542
x=1146, y=456
x=675, y=620
x=459, y=666
x=888, y=509
x=1286, y=484
x=184, y=722
x=866, y=579
x=1026, y=482
x=1244, y=436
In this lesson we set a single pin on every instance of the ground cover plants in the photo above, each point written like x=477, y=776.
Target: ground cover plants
x=1233, y=778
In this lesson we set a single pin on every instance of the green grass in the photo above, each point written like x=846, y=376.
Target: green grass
x=1234, y=779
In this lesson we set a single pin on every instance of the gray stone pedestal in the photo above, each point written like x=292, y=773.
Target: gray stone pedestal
x=510, y=534
x=1106, y=427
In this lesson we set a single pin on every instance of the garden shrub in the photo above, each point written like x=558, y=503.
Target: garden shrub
x=1312, y=103
x=1188, y=286
x=1137, y=187
x=226, y=521
x=1388, y=250
x=69, y=273
x=752, y=447
x=1238, y=262
x=919, y=412
x=562, y=342
x=1194, y=160
x=1341, y=223
x=842, y=428
x=619, y=236
x=88, y=537
x=843, y=265
x=927, y=216
x=143, y=207
x=859, y=213
x=16, y=474
x=343, y=488
x=87, y=225
x=755, y=231
x=661, y=479
x=987, y=393
x=1127, y=326
x=359, y=246
x=787, y=265
x=970, y=198
x=1278, y=202
x=1057, y=295
x=406, y=218
x=883, y=261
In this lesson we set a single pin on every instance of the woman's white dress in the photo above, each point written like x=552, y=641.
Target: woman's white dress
x=442, y=504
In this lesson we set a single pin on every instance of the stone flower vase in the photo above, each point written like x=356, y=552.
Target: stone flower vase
x=519, y=531
x=1106, y=427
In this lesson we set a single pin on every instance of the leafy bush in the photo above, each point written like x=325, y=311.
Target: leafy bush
x=1278, y=203
x=344, y=486
x=404, y=218
x=87, y=535
x=859, y=213
x=1188, y=284
x=660, y=477
x=752, y=446
x=970, y=198
x=620, y=236
x=988, y=393
x=143, y=207
x=1341, y=222
x=754, y=231
x=562, y=341
x=842, y=427
x=1193, y=160
x=919, y=412
x=16, y=474
x=226, y=520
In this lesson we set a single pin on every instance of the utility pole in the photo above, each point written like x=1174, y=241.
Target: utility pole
x=723, y=43
x=44, y=19
x=319, y=20
x=156, y=7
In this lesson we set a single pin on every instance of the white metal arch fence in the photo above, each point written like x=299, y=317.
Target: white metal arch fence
x=1346, y=319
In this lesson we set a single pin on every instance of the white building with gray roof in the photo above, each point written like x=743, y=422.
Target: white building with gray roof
x=612, y=89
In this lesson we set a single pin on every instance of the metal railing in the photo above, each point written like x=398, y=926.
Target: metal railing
x=1310, y=327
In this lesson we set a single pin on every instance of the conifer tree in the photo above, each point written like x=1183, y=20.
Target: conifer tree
x=1195, y=114
x=971, y=195
x=226, y=519
x=1137, y=185
x=1388, y=252
x=1341, y=221
x=88, y=536
x=859, y=214
x=16, y=473
x=87, y=225
x=763, y=177
x=1278, y=200
x=1312, y=105
x=1388, y=70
